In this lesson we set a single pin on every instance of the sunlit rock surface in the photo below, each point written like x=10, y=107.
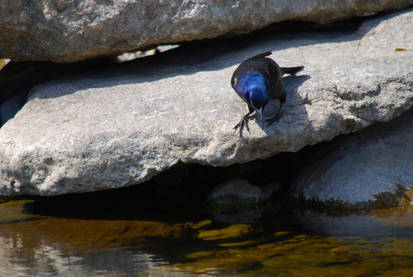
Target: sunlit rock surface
x=124, y=126
x=67, y=31
x=374, y=165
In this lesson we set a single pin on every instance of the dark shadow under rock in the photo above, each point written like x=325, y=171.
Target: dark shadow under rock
x=18, y=78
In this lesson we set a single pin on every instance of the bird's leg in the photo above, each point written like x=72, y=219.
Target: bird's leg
x=244, y=121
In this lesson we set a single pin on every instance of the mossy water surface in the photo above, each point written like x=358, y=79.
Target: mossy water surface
x=299, y=243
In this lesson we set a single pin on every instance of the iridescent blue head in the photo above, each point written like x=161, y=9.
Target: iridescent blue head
x=253, y=88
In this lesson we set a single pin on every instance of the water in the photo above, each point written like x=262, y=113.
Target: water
x=70, y=238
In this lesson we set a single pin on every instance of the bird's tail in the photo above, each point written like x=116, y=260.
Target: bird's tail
x=292, y=70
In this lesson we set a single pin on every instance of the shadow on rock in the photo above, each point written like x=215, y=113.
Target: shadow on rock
x=291, y=84
x=17, y=78
x=216, y=54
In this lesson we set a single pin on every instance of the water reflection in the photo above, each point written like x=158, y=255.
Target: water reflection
x=366, y=225
x=33, y=245
x=291, y=243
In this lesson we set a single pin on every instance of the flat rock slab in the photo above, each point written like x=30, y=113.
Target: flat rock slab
x=68, y=30
x=123, y=126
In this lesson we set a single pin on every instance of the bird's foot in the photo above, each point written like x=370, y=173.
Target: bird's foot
x=243, y=123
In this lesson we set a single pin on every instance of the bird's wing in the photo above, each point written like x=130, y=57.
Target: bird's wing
x=258, y=63
x=261, y=55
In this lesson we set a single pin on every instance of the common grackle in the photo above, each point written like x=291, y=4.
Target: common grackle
x=257, y=80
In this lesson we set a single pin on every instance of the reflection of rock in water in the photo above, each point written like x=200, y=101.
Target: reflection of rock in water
x=239, y=201
x=49, y=260
x=246, y=215
x=43, y=260
x=123, y=260
x=31, y=245
x=358, y=225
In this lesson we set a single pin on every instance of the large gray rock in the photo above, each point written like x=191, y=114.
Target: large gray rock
x=367, y=169
x=68, y=30
x=126, y=125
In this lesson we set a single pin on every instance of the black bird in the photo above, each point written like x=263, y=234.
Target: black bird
x=257, y=80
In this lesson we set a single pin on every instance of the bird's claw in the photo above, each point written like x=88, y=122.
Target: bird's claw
x=243, y=123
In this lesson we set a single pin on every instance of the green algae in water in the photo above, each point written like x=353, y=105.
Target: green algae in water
x=13, y=211
x=3, y=62
x=308, y=255
x=224, y=233
x=44, y=245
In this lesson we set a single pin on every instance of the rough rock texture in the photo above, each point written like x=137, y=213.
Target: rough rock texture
x=123, y=126
x=373, y=165
x=68, y=30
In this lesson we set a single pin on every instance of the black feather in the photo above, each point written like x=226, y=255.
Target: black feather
x=257, y=80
